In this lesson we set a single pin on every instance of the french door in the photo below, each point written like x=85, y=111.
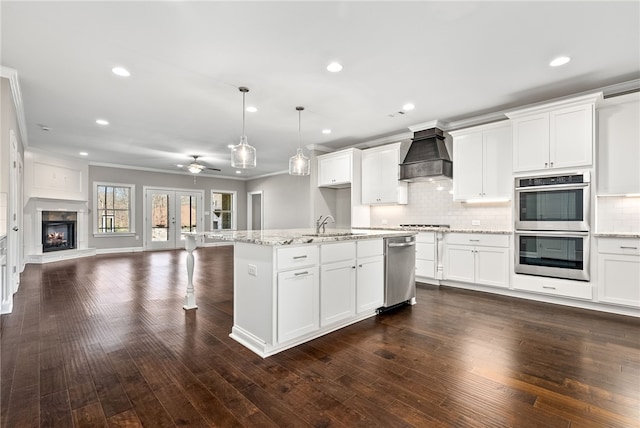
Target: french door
x=169, y=213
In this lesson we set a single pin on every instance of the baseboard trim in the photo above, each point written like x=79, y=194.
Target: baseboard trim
x=57, y=256
x=119, y=250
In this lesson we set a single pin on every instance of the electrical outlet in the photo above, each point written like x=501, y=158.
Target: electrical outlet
x=253, y=270
x=475, y=222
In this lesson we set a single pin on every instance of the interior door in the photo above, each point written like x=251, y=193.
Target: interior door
x=169, y=213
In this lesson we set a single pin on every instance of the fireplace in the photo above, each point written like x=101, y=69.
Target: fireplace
x=58, y=230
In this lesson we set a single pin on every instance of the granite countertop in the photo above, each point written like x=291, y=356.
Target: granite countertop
x=617, y=235
x=445, y=230
x=302, y=236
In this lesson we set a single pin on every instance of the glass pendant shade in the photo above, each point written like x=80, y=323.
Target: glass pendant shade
x=299, y=164
x=194, y=169
x=242, y=154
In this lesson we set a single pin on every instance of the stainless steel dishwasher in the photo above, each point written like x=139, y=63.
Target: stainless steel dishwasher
x=399, y=270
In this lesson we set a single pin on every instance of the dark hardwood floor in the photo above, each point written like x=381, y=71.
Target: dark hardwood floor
x=104, y=341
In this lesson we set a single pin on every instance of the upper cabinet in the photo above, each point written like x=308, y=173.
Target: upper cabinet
x=380, y=172
x=482, y=162
x=555, y=135
x=619, y=145
x=336, y=169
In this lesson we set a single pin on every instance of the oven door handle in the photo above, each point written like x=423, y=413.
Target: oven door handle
x=552, y=187
x=551, y=233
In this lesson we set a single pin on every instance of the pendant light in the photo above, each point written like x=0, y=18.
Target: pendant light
x=243, y=155
x=299, y=163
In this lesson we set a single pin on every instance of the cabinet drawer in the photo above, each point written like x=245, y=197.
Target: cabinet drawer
x=629, y=246
x=425, y=251
x=487, y=240
x=294, y=257
x=426, y=237
x=557, y=287
x=337, y=252
x=370, y=247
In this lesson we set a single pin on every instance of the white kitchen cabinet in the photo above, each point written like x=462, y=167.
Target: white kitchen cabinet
x=380, y=173
x=482, y=167
x=337, y=282
x=298, y=304
x=426, y=255
x=555, y=135
x=335, y=169
x=619, y=145
x=369, y=275
x=619, y=271
x=477, y=258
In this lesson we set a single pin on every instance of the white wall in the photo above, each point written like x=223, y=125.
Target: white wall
x=285, y=199
x=428, y=205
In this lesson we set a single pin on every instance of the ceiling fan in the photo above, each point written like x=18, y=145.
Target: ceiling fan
x=196, y=167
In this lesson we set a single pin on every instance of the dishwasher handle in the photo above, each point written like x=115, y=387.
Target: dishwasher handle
x=404, y=244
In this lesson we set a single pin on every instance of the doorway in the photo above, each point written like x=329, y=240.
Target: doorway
x=255, y=211
x=15, y=235
x=170, y=212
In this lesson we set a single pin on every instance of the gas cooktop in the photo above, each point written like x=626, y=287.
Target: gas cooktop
x=426, y=225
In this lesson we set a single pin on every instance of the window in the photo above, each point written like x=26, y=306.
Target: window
x=114, y=208
x=223, y=210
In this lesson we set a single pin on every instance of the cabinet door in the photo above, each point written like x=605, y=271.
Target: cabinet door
x=492, y=266
x=337, y=292
x=497, y=158
x=571, y=137
x=467, y=167
x=334, y=170
x=460, y=263
x=531, y=142
x=619, y=279
x=298, y=303
x=370, y=178
x=369, y=284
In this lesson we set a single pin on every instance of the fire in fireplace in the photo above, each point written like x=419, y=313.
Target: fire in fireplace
x=58, y=230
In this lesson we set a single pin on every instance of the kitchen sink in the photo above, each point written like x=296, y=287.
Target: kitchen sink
x=331, y=234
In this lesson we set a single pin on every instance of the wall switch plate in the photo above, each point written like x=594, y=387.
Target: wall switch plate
x=475, y=222
x=253, y=270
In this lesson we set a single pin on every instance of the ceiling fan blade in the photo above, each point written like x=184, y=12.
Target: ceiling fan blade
x=213, y=169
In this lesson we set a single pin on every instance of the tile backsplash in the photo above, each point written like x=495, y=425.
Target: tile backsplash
x=428, y=205
x=618, y=214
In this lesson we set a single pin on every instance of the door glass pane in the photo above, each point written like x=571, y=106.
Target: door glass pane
x=188, y=214
x=159, y=217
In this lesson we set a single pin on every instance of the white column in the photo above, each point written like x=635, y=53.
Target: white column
x=190, y=297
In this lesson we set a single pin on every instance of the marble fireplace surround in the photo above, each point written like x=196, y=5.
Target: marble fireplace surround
x=33, y=240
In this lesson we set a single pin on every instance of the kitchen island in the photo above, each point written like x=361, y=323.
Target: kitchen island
x=291, y=286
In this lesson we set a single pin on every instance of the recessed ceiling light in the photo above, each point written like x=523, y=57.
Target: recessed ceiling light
x=121, y=71
x=561, y=60
x=334, y=67
x=326, y=131
x=102, y=122
x=179, y=165
x=238, y=172
x=83, y=154
x=230, y=146
x=408, y=106
x=252, y=109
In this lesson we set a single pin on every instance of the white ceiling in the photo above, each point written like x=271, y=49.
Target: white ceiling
x=453, y=60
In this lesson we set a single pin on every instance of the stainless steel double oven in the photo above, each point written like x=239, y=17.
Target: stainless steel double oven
x=552, y=225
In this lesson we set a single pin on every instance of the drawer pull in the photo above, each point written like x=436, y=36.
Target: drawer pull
x=474, y=240
x=301, y=273
x=629, y=248
x=299, y=257
x=548, y=288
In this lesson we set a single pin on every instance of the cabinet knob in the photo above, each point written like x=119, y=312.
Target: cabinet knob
x=546, y=164
x=551, y=164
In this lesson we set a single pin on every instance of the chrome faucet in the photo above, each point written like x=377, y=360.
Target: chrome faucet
x=321, y=223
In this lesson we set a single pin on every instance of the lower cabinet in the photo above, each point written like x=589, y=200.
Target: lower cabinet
x=619, y=271
x=298, y=303
x=477, y=258
x=370, y=283
x=426, y=255
x=337, y=292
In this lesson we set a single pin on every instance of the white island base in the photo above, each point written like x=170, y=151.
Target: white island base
x=287, y=295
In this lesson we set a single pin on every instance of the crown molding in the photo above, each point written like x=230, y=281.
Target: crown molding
x=16, y=94
x=165, y=171
x=396, y=138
